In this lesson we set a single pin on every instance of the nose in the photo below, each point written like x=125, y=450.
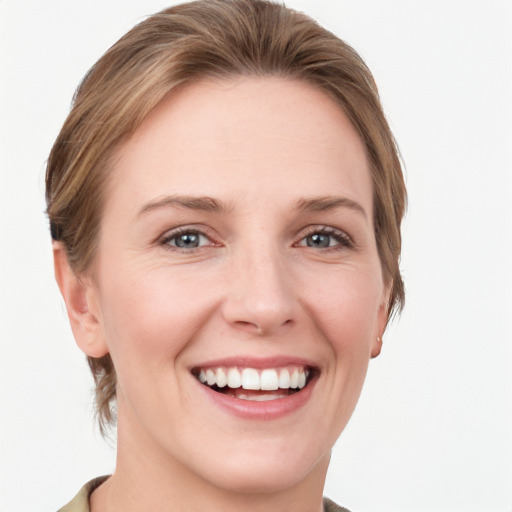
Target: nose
x=261, y=298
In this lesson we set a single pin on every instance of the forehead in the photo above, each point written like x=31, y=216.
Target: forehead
x=241, y=138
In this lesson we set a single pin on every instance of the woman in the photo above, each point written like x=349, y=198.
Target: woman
x=225, y=200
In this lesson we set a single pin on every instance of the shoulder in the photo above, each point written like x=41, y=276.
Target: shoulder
x=330, y=506
x=80, y=503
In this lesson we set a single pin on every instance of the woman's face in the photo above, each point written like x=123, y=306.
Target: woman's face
x=237, y=246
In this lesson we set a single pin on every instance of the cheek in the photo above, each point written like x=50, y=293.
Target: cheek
x=149, y=317
x=346, y=309
x=350, y=320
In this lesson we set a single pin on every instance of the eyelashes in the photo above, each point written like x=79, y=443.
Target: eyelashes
x=325, y=237
x=188, y=239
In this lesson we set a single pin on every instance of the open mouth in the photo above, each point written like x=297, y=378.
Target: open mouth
x=255, y=384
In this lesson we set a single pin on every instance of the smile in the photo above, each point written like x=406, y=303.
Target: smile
x=254, y=384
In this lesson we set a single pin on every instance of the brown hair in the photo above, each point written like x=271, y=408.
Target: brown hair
x=221, y=39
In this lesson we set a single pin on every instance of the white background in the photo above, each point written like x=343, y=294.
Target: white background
x=433, y=429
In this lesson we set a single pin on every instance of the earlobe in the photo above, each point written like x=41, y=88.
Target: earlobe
x=377, y=346
x=81, y=305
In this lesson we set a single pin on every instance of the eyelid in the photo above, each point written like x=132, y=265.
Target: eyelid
x=166, y=237
x=345, y=240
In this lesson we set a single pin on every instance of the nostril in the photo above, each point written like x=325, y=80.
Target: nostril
x=249, y=326
x=256, y=328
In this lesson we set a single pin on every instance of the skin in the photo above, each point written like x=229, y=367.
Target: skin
x=256, y=286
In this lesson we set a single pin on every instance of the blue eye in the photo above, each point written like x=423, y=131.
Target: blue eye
x=186, y=240
x=324, y=238
x=320, y=240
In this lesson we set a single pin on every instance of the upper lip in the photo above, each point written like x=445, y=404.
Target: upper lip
x=257, y=363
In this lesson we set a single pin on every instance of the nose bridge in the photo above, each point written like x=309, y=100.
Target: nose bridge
x=261, y=295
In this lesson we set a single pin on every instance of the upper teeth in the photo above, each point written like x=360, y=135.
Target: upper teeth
x=250, y=378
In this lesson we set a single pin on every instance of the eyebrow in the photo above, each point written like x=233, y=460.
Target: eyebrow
x=325, y=203
x=203, y=203
x=209, y=204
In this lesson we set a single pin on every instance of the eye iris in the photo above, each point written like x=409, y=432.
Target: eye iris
x=187, y=240
x=318, y=240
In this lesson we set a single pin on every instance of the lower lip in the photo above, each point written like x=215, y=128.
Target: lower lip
x=267, y=410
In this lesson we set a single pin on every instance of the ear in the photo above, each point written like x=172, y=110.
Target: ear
x=80, y=297
x=382, y=320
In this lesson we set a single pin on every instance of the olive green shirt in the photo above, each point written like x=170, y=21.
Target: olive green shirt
x=80, y=503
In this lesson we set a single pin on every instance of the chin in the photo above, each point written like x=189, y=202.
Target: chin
x=259, y=475
x=262, y=466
